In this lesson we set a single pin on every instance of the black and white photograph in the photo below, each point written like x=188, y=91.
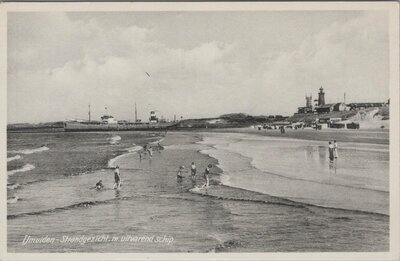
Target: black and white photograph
x=200, y=129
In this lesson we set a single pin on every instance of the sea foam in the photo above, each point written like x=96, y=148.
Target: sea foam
x=26, y=167
x=30, y=151
x=12, y=200
x=131, y=150
x=13, y=186
x=17, y=157
x=115, y=139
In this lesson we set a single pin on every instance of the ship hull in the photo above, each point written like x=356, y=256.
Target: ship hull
x=78, y=126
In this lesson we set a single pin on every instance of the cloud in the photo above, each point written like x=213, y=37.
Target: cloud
x=57, y=65
x=344, y=57
x=110, y=72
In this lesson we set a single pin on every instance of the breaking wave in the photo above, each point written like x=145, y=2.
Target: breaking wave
x=17, y=157
x=115, y=139
x=272, y=200
x=12, y=200
x=134, y=148
x=85, y=204
x=30, y=151
x=26, y=167
x=13, y=186
x=131, y=150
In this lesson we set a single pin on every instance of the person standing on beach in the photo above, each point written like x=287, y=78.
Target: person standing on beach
x=117, y=178
x=206, y=176
x=193, y=171
x=330, y=148
x=335, y=149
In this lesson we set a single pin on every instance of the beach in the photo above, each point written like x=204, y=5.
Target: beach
x=267, y=194
x=373, y=136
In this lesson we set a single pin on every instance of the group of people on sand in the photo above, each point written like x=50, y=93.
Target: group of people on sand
x=333, y=150
x=193, y=172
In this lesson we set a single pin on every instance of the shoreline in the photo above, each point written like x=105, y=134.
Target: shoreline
x=375, y=136
x=216, y=177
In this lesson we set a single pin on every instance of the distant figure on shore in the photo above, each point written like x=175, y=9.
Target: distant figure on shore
x=193, y=171
x=335, y=149
x=282, y=128
x=150, y=150
x=99, y=185
x=179, y=175
x=117, y=178
x=330, y=148
x=206, y=176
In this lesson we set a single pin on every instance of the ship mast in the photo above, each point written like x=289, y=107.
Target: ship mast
x=89, y=112
x=135, y=113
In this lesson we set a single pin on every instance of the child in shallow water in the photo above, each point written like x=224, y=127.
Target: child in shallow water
x=193, y=171
x=99, y=185
x=179, y=175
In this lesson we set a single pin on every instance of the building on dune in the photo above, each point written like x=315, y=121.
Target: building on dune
x=321, y=107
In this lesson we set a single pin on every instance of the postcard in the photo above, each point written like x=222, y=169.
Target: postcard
x=200, y=131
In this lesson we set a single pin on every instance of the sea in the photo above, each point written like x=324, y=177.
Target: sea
x=267, y=194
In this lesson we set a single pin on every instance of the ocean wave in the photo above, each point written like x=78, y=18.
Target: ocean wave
x=84, y=204
x=26, y=167
x=131, y=150
x=115, y=139
x=134, y=148
x=30, y=151
x=111, y=162
x=273, y=200
x=13, y=186
x=156, y=141
x=17, y=157
x=12, y=200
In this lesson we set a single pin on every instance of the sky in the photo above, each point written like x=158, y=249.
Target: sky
x=201, y=64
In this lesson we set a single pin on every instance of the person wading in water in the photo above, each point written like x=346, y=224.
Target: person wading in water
x=117, y=178
x=207, y=176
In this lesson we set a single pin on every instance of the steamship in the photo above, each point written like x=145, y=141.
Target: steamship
x=109, y=123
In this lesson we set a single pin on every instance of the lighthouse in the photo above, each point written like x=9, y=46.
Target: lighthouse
x=321, y=97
